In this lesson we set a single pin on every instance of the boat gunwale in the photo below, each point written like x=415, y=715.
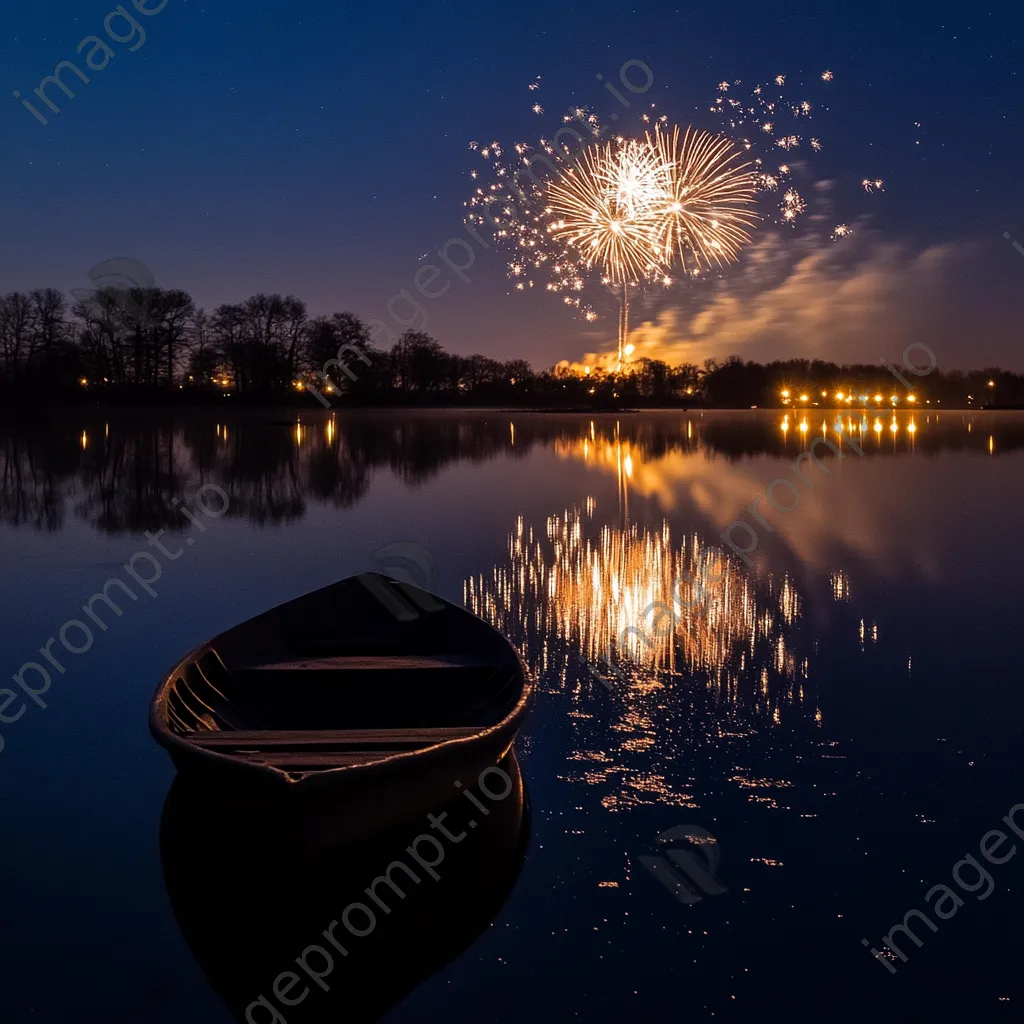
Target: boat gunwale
x=171, y=741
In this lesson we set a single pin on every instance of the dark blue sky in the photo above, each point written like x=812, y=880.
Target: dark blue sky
x=322, y=149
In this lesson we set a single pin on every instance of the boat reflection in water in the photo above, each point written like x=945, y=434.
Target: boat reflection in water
x=248, y=903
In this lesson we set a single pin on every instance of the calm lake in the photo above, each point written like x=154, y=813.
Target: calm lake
x=830, y=725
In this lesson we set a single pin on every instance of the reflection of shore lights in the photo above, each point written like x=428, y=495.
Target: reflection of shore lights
x=85, y=440
x=911, y=427
x=878, y=426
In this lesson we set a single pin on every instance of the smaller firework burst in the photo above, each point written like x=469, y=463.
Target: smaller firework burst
x=706, y=207
x=793, y=204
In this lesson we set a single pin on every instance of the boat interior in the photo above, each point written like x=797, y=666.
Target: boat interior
x=336, y=679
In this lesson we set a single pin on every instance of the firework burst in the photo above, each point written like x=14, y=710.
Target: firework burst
x=605, y=207
x=631, y=207
x=628, y=211
x=705, y=209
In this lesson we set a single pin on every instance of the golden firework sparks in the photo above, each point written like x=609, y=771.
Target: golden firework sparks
x=603, y=207
x=706, y=207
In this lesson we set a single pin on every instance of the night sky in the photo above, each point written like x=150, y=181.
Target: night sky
x=322, y=149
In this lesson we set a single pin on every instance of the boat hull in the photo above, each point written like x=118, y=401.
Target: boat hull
x=306, y=773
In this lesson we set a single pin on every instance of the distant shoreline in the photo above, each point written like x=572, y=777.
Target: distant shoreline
x=28, y=409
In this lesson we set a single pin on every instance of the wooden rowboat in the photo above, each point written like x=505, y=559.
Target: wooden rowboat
x=367, y=683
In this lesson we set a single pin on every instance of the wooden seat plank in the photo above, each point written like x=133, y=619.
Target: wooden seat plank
x=262, y=740
x=305, y=761
x=362, y=663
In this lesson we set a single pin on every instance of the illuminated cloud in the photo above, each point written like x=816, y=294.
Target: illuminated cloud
x=850, y=300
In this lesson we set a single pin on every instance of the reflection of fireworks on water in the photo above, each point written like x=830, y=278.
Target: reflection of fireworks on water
x=570, y=592
x=728, y=671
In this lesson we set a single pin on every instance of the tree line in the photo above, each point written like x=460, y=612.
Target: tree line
x=129, y=343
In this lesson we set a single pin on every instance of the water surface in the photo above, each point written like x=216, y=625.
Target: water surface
x=836, y=721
